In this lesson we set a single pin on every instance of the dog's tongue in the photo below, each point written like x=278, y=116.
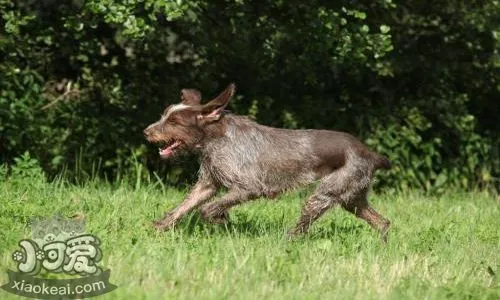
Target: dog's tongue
x=168, y=151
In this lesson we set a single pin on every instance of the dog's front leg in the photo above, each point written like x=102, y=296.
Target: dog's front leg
x=200, y=193
x=216, y=212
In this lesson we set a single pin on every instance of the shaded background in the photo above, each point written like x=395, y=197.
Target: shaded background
x=418, y=81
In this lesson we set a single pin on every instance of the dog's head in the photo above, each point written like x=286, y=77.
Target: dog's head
x=184, y=126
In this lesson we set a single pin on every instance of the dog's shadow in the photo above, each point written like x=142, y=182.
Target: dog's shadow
x=245, y=226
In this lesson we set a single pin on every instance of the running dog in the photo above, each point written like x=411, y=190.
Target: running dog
x=253, y=160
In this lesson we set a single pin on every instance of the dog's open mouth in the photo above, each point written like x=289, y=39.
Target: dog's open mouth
x=169, y=148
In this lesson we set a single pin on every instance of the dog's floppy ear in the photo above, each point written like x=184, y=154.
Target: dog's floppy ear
x=190, y=96
x=212, y=111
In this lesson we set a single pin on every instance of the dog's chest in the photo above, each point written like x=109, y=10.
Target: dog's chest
x=229, y=167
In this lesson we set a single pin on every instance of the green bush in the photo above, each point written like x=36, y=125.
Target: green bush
x=26, y=171
x=418, y=82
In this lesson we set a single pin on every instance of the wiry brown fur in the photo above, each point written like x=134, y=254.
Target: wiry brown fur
x=252, y=160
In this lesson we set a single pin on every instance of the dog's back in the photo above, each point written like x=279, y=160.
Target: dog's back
x=271, y=160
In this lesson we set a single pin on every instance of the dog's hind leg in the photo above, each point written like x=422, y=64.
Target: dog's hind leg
x=314, y=207
x=363, y=210
x=343, y=185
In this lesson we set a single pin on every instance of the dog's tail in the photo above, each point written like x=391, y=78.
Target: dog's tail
x=380, y=161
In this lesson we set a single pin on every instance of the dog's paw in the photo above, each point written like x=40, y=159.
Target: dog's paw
x=384, y=232
x=213, y=213
x=164, y=224
x=295, y=233
x=222, y=218
x=291, y=235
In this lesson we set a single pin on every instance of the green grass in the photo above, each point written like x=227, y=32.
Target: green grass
x=439, y=247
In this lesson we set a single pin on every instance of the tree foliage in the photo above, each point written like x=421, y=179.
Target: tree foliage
x=418, y=80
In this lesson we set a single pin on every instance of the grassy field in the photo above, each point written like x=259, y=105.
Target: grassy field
x=441, y=247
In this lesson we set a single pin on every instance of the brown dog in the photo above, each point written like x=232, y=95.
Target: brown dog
x=252, y=160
